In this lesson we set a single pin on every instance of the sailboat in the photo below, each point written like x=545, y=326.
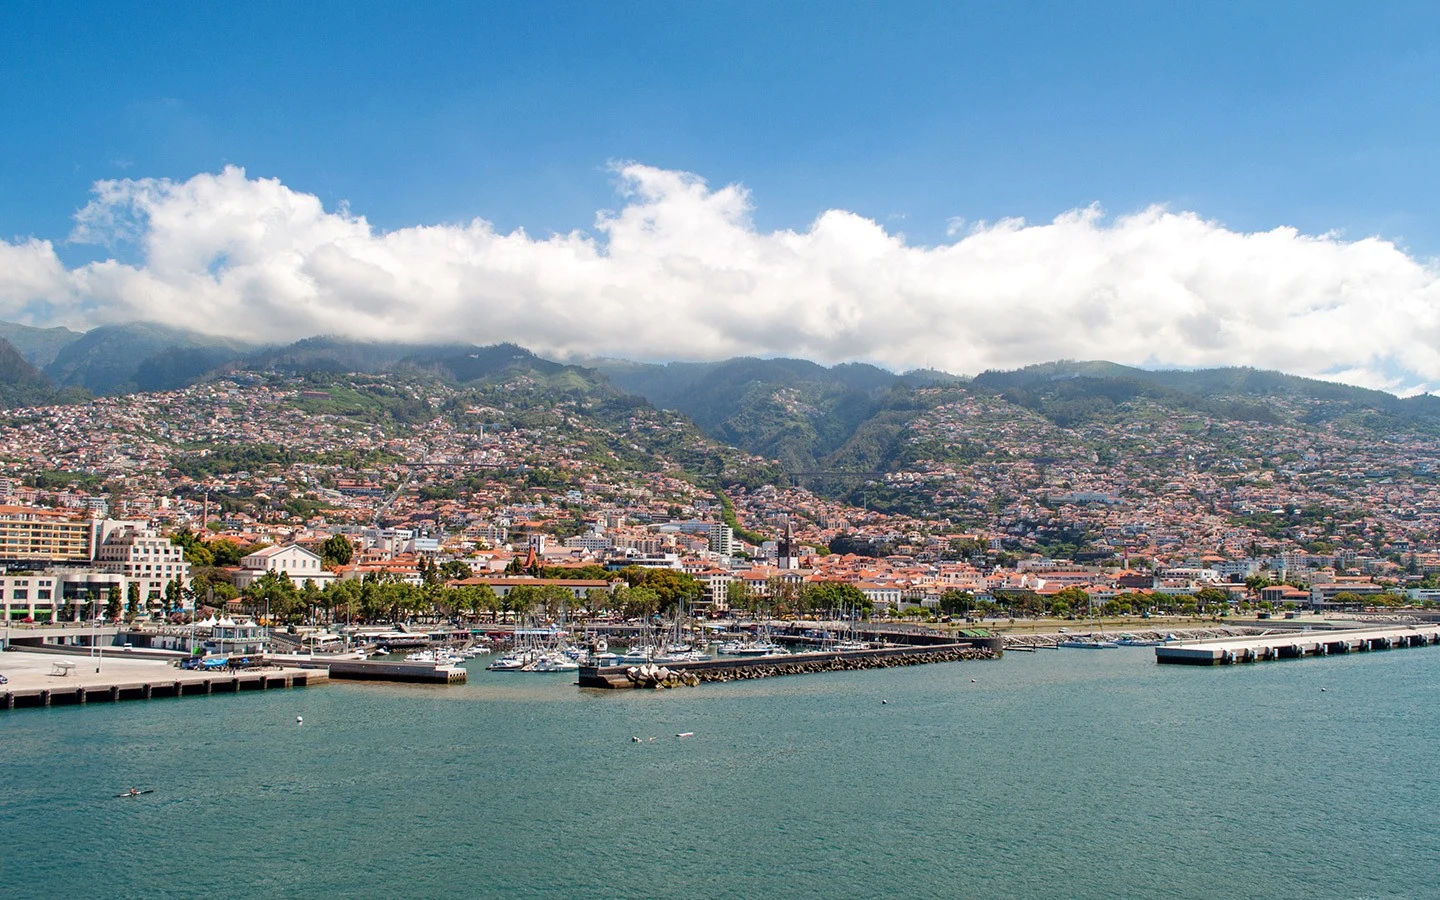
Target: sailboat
x=1089, y=641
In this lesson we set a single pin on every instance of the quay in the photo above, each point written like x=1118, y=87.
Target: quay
x=47, y=679
x=378, y=670
x=1292, y=645
x=741, y=668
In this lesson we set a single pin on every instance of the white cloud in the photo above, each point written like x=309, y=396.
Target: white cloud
x=680, y=271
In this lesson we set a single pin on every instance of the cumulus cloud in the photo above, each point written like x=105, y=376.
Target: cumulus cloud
x=679, y=271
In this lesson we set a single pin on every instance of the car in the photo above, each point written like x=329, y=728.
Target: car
x=4, y=680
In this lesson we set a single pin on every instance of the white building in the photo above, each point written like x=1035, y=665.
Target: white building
x=290, y=559
x=143, y=557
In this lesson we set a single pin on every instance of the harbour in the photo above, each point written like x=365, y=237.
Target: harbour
x=517, y=784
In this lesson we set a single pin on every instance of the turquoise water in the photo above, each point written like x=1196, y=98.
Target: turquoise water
x=1058, y=774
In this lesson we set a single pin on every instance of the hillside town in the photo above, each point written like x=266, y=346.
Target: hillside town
x=207, y=495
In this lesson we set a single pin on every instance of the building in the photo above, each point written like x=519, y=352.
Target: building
x=57, y=595
x=786, y=556
x=722, y=539
x=31, y=534
x=143, y=557
x=289, y=559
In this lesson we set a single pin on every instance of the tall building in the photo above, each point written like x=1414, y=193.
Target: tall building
x=722, y=539
x=142, y=556
x=33, y=534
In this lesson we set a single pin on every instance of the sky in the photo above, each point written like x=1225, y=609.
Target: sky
x=954, y=185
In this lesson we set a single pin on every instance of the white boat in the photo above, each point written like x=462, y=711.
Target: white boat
x=510, y=662
x=753, y=648
x=1087, y=644
x=439, y=657
x=552, y=662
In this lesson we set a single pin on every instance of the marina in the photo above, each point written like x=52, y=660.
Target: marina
x=1293, y=645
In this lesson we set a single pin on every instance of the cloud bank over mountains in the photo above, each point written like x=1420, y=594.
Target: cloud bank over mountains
x=679, y=271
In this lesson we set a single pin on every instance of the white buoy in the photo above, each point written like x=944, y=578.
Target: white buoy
x=299, y=719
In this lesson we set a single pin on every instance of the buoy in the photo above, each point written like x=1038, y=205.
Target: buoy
x=299, y=719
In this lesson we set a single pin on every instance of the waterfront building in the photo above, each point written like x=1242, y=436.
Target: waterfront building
x=30, y=534
x=142, y=556
x=299, y=564
x=57, y=595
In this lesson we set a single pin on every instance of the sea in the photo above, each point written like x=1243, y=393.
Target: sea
x=1063, y=773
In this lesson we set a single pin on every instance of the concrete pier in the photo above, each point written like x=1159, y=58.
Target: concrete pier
x=46, y=679
x=376, y=670
x=1291, y=645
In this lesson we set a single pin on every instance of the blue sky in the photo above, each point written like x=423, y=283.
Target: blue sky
x=1315, y=115
x=1202, y=184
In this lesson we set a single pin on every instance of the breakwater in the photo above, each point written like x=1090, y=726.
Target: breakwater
x=1051, y=640
x=740, y=669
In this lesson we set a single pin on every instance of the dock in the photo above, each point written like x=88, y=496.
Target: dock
x=1293, y=644
x=407, y=672
x=37, y=680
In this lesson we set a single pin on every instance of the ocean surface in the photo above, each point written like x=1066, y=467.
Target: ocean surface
x=1054, y=774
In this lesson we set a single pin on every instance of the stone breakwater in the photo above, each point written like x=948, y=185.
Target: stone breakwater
x=1049, y=640
x=847, y=664
x=656, y=676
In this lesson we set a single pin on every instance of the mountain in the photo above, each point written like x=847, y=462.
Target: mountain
x=1077, y=393
x=38, y=345
x=21, y=384
x=803, y=414
x=791, y=410
x=116, y=359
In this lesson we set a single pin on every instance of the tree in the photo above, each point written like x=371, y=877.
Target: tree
x=456, y=570
x=132, y=600
x=226, y=552
x=954, y=602
x=834, y=596
x=670, y=587
x=736, y=595
x=337, y=550
x=113, y=603
x=196, y=553
x=275, y=593
x=172, y=594
x=1073, y=599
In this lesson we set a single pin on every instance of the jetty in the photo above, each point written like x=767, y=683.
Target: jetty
x=1295, y=644
x=741, y=668
x=385, y=670
x=49, y=679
